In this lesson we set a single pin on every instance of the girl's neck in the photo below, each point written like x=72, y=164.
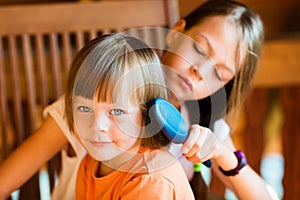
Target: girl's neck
x=180, y=107
x=185, y=114
x=175, y=101
x=107, y=167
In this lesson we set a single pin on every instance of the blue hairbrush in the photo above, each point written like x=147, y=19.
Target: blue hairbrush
x=169, y=120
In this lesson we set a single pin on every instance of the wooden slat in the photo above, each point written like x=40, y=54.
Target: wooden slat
x=55, y=63
x=147, y=35
x=3, y=104
x=17, y=90
x=29, y=81
x=92, y=34
x=41, y=69
x=172, y=11
x=67, y=51
x=79, y=40
x=105, y=31
x=160, y=43
x=280, y=64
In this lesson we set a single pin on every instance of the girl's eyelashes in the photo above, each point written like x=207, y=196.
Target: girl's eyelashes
x=202, y=53
x=84, y=109
x=199, y=50
x=114, y=111
x=219, y=76
x=117, y=112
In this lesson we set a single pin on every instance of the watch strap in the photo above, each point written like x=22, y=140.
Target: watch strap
x=242, y=161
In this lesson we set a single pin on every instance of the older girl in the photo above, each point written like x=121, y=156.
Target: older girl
x=218, y=44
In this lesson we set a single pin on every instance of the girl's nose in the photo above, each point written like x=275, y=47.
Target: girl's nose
x=101, y=123
x=195, y=72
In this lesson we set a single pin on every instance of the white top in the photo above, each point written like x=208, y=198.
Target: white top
x=65, y=189
x=221, y=130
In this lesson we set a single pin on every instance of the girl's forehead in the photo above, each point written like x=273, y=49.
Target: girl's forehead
x=219, y=36
x=122, y=102
x=216, y=29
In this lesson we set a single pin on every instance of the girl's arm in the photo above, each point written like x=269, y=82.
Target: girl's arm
x=246, y=185
x=30, y=156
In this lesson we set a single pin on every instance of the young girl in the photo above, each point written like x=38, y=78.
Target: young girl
x=110, y=82
x=230, y=35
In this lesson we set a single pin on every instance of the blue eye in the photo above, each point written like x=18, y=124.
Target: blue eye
x=117, y=112
x=85, y=109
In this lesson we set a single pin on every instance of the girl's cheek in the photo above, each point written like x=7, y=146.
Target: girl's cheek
x=82, y=124
x=130, y=127
x=179, y=65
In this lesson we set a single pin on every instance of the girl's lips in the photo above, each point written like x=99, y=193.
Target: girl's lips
x=99, y=144
x=186, y=83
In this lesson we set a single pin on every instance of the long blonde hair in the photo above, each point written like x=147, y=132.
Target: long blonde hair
x=250, y=35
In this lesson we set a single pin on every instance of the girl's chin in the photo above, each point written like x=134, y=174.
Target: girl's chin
x=103, y=158
x=188, y=97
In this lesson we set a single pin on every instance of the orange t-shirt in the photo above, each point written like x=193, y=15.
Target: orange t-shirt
x=148, y=175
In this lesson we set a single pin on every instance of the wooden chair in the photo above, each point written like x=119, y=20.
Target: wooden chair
x=37, y=43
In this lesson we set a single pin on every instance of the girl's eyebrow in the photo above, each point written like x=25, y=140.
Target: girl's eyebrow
x=207, y=42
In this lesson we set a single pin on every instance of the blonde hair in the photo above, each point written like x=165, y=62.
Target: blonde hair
x=113, y=66
x=250, y=35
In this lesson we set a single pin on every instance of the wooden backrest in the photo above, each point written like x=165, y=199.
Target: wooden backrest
x=38, y=41
x=279, y=64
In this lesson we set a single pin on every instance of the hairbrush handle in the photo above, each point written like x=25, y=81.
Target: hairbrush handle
x=170, y=121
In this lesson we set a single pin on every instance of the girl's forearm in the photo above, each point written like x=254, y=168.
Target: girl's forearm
x=30, y=156
x=247, y=184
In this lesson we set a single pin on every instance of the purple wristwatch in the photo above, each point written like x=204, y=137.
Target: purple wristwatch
x=242, y=161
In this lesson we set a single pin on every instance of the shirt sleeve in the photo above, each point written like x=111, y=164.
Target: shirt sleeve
x=57, y=111
x=221, y=129
x=148, y=187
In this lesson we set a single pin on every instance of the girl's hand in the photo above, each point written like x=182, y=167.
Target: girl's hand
x=193, y=148
x=201, y=144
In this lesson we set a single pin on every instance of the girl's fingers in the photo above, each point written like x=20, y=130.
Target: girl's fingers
x=195, y=140
x=194, y=159
x=193, y=135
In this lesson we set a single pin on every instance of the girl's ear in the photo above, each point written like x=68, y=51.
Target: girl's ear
x=178, y=27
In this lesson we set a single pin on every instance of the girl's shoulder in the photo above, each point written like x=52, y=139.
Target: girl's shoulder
x=167, y=183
